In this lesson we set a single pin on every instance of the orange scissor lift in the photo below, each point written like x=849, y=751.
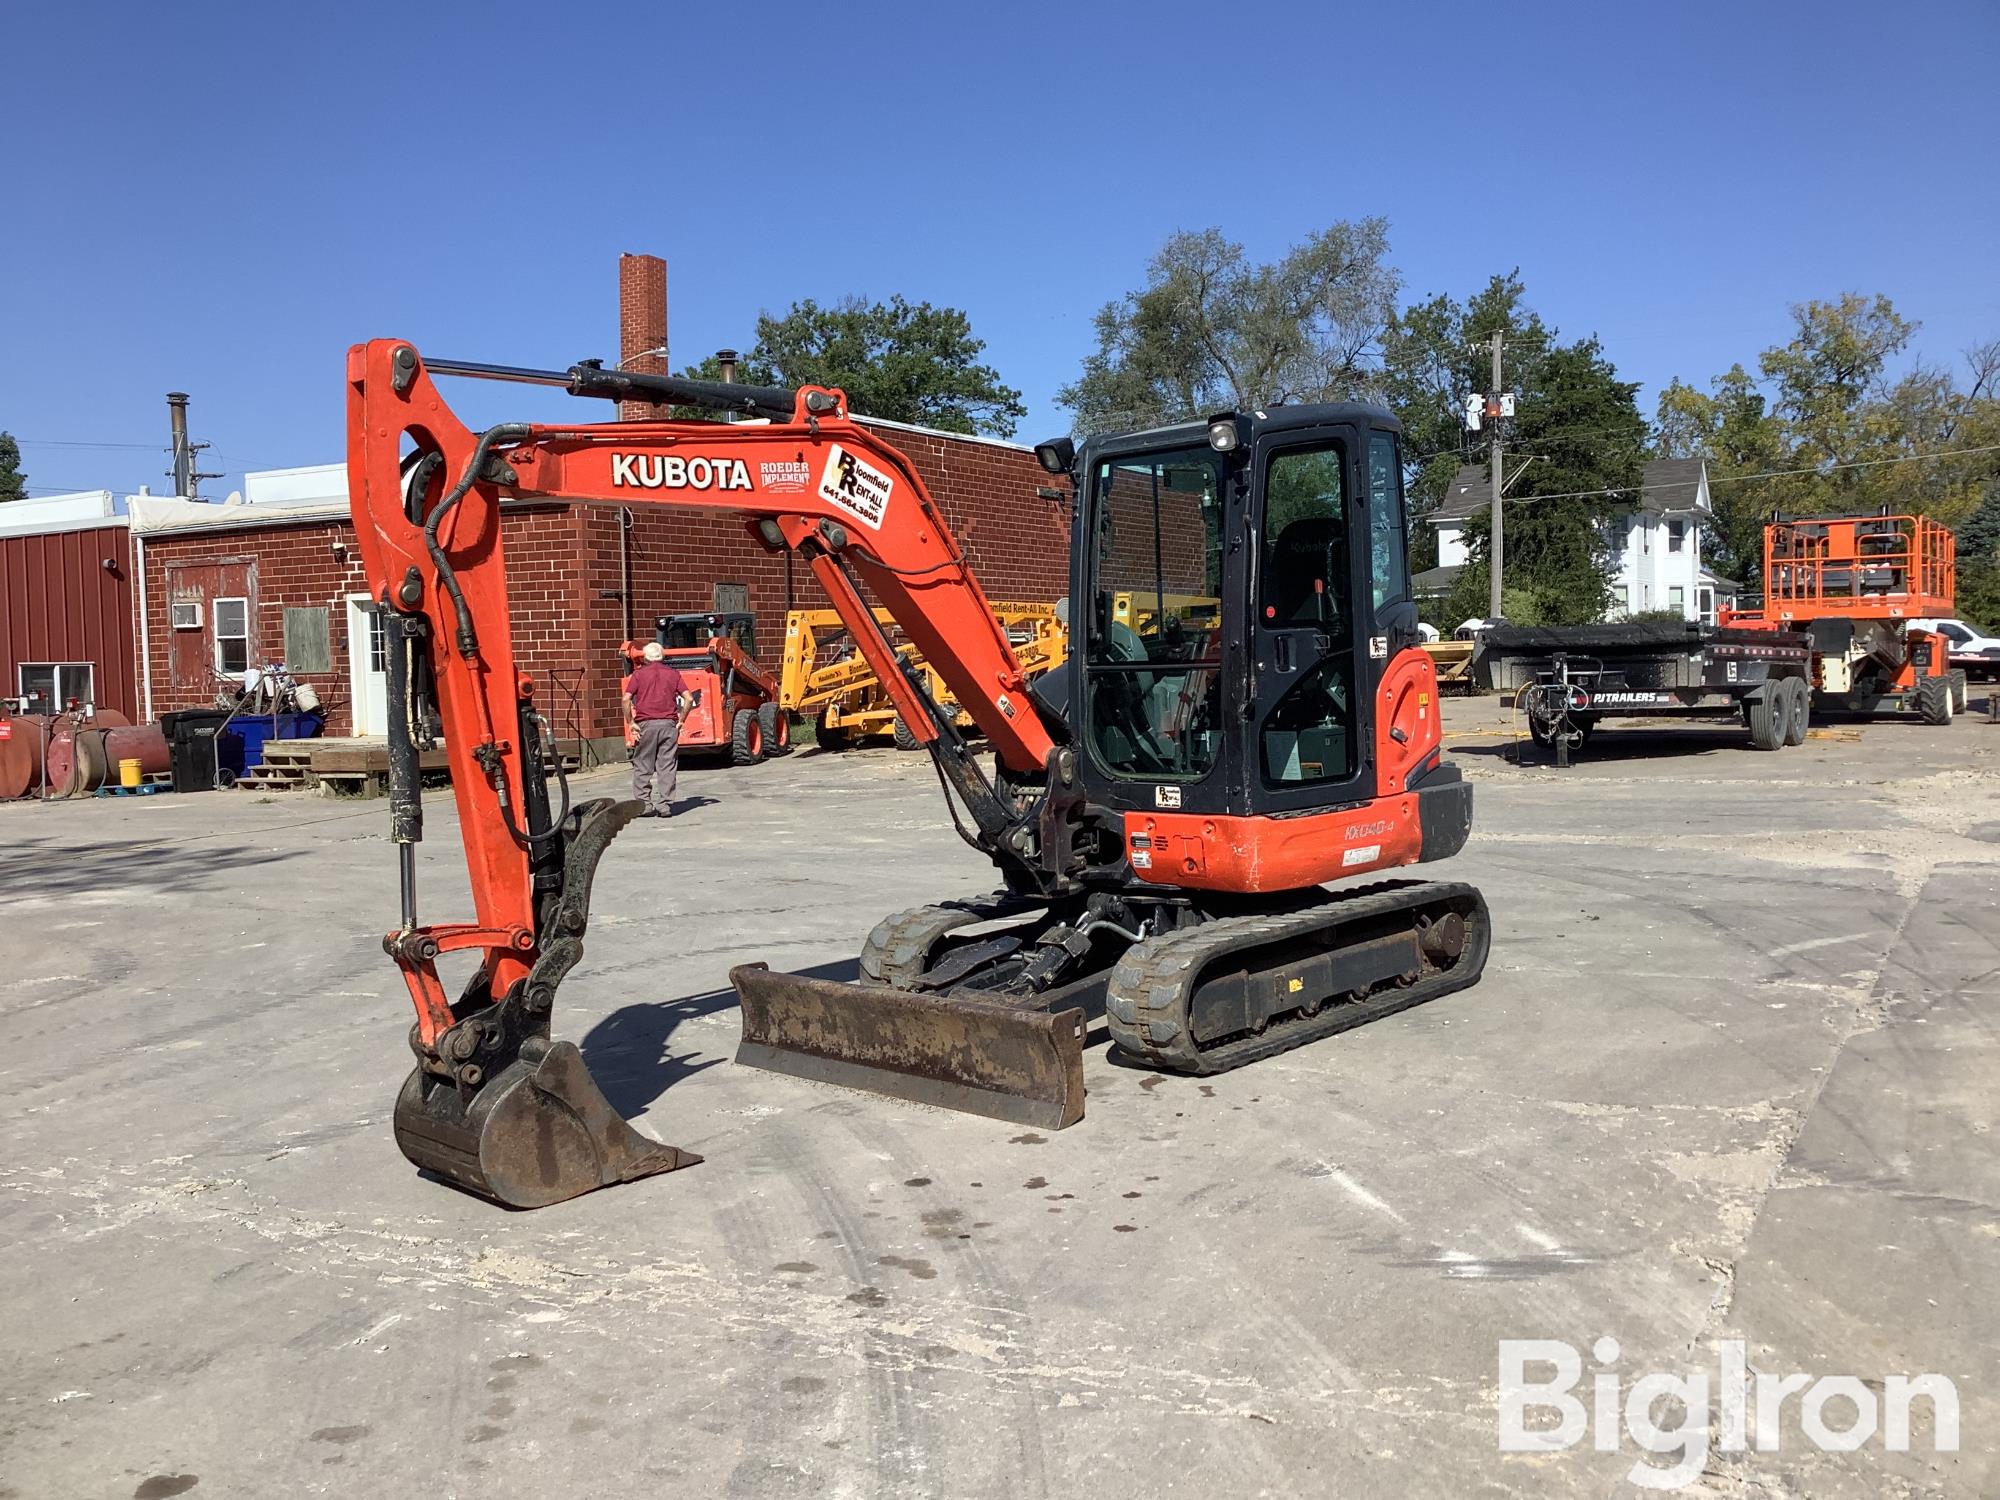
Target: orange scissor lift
x=1854, y=584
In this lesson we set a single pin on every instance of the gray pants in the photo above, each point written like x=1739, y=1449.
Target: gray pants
x=656, y=762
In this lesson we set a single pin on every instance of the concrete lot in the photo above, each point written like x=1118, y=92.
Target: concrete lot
x=1731, y=1074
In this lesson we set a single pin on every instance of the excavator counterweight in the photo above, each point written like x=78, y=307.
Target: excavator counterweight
x=1241, y=717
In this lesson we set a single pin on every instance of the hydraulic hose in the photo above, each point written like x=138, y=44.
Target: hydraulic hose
x=467, y=638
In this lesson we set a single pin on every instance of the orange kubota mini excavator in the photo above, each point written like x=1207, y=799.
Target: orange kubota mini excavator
x=1163, y=810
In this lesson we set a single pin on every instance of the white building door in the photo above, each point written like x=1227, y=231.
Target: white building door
x=367, y=667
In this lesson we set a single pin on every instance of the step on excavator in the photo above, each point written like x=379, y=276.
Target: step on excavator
x=1164, y=811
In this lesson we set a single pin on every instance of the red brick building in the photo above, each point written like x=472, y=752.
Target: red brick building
x=285, y=571
x=296, y=570
x=147, y=613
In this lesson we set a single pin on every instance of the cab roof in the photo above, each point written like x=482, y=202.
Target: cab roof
x=1270, y=419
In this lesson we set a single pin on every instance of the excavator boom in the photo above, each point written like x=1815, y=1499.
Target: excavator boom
x=493, y=1105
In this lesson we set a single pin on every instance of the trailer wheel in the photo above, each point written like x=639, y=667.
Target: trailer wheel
x=904, y=739
x=776, y=725
x=1934, y=700
x=1798, y=705
x=746, y=738
x=1766, y=715
x=1961, y=692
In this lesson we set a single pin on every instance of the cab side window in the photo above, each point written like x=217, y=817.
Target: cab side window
x=1388, y=542
x=1305, y=530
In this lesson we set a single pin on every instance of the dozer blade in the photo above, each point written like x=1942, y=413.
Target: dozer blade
x=537, y=1132
x=984, y=1057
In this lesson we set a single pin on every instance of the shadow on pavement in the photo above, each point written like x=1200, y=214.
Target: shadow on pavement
x=46, y=867
x=630, y=1052
x=1614, y=745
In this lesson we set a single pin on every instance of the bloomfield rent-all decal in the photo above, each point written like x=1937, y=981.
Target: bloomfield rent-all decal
x=670, y=471
x=856, y=486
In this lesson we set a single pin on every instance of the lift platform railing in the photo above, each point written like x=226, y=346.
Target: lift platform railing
x=1879, y=567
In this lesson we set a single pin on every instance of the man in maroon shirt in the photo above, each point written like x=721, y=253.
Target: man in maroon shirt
x=654, y=694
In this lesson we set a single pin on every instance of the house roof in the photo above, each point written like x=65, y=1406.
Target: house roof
x=1671, y=483
x=1434, y=581
x=1665, y=484
x=1470, y=489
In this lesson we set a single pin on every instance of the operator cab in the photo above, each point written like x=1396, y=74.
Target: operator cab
x=694, y=632
x=1244, y=582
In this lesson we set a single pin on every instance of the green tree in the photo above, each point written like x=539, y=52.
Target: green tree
x=1741, y=438
x=1580, y=442
x=13, y=483
x=1825, y=380
x=1829, y=430
x=1573, y=448
x=898, y=360
x=1436, y=356
x=1212, y=330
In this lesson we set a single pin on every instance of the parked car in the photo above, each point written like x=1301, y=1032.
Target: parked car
x=1974, y=650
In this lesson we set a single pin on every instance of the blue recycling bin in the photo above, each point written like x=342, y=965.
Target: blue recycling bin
x=257, y=729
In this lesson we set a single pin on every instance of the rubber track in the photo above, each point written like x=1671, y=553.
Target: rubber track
x=898, y=946
x=1147, y=1004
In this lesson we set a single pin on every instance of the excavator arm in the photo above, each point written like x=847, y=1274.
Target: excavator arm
x=493, y=1104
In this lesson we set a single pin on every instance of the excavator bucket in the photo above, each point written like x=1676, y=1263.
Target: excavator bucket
x=537, y=1133
x=983, y=1057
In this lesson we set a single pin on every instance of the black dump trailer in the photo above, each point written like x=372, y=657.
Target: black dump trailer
x=1565, y=679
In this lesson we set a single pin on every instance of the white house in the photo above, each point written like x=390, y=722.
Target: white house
x=1655, y=545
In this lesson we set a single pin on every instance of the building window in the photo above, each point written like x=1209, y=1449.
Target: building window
x=378, y=643
x=232, y=636
x=1677, y=599
x=1676, y=534
x=186, y=614
x=1707, y=598
x=51, y=686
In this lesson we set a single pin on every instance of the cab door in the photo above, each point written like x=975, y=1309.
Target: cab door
x=1310, y=613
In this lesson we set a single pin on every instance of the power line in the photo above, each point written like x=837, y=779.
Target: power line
x=1859, y=463
x=58, y=443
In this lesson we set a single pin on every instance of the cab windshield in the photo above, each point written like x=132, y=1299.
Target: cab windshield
x=1152, y=653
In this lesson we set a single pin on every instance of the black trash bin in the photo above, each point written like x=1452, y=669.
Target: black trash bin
x=200, y=748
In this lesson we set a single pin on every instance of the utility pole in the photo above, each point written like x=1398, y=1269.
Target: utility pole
x=1497, y=551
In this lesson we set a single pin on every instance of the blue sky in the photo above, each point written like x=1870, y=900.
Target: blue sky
x=220, y=198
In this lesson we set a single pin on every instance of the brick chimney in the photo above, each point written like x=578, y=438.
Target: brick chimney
x=642, y=325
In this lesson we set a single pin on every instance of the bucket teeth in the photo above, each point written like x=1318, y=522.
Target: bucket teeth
x=537, y=1132
x=984, y=1057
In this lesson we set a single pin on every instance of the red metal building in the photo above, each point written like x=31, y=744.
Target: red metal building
x=66, y=604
